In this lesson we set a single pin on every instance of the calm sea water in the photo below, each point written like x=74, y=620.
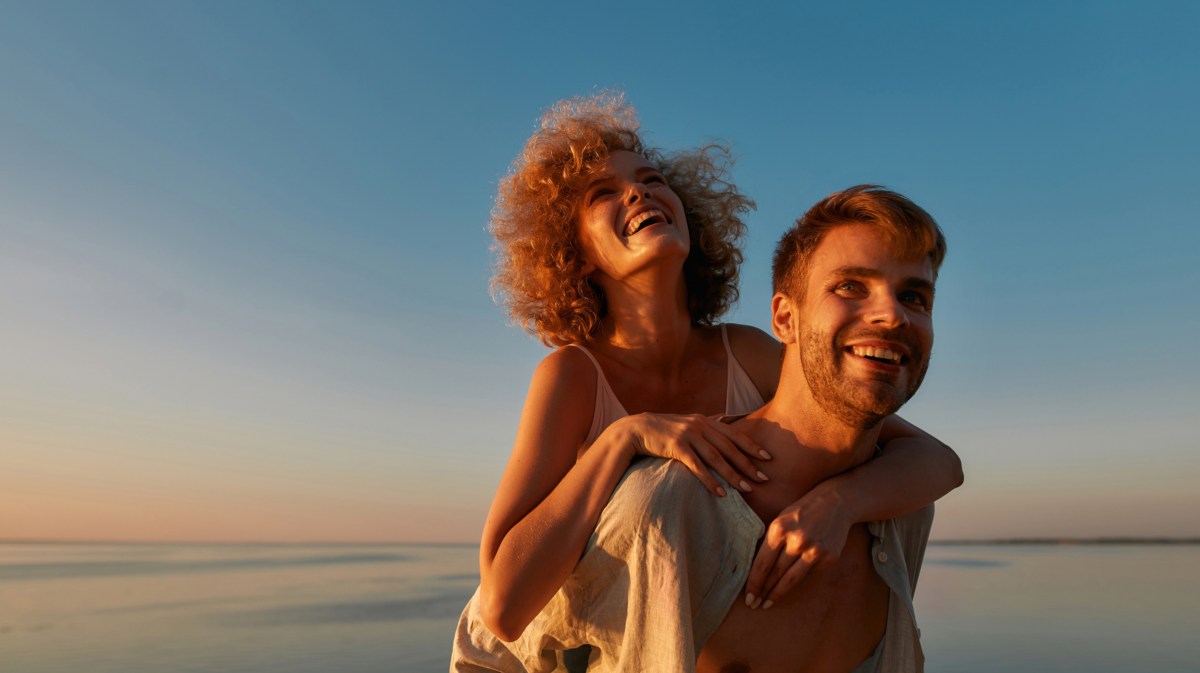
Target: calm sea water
x=375, y=608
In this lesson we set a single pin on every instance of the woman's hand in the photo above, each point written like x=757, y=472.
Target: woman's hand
x=809, y=531
x=700, y=443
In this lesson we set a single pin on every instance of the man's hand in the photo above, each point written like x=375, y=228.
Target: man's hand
x=809, y=531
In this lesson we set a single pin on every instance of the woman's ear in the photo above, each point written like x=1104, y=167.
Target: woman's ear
x=783, y=318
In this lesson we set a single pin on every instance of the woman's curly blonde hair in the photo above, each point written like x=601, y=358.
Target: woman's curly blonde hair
x=539, y=272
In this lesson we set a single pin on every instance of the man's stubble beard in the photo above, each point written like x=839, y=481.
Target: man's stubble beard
x=851, y=402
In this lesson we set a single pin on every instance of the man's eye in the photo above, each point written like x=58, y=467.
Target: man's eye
x=848, y=287
x=915, y=298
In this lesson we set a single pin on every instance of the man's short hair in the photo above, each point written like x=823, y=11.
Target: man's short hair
x=908, y=226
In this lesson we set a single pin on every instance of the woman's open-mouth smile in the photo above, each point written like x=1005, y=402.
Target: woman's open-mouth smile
x=644, y=219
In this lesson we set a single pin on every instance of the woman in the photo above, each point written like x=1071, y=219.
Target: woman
x=624, y=258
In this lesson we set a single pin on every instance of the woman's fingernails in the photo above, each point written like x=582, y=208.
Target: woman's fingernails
x=745, y=486
x=764, y=454
x=761, y=475
x=768, y=604
x=720, y=491
x=749, y=600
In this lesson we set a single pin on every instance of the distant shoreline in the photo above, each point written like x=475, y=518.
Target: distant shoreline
x=1068, y=541
x=1016, y=541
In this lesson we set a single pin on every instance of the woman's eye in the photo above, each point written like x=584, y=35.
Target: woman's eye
x=597, y=194
x=655, y=179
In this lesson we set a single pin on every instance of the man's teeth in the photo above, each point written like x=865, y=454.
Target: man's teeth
x=636, y=223
x=876, y=353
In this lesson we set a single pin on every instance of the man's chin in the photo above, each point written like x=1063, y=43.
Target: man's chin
x=878, y=405
x=885, y=395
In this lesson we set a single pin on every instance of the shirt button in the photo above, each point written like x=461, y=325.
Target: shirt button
x=882, y=556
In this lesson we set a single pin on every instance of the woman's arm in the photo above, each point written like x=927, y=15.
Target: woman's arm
x=546, y=495
x=548, y=504
x=913, y=470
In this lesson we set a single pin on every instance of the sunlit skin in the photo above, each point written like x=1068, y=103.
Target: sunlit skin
x=859, y=295
x=848, y=362
x=670, y=375
x=630, y=194
x=654, y=358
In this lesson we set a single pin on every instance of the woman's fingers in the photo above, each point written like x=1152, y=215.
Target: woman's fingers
x=783, y=560
x=733, y=455
x=764, y=562
x=744, y=444
x=792, y=575
x=709, y=447
x=697, y=467
x=701, y=444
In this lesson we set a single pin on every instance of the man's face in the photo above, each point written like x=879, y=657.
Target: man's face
x=863, y=325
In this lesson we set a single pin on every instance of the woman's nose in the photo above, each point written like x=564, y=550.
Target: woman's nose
x=637, y=192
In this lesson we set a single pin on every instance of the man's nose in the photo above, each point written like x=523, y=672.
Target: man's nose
x=889, y=311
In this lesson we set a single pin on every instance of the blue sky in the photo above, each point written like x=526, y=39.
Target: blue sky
x=244, y=261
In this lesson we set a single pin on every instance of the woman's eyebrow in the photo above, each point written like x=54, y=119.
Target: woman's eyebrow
x=607, y=177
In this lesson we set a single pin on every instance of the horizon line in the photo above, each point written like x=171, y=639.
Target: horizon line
x=1046, y=540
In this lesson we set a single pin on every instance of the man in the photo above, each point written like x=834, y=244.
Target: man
x=660, y=582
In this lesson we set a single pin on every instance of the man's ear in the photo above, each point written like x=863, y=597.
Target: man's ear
x=783, y=314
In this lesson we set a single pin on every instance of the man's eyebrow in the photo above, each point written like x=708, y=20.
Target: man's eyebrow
x=859, y=271
x=914, y=282
x=920, y=284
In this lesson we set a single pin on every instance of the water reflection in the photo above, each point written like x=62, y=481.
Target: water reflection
x=967, y=562
x=447, y=606
x=376, y=608
x=33, y=571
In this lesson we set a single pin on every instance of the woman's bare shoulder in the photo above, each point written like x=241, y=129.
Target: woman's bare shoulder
x=567, y=370
x=759, y=354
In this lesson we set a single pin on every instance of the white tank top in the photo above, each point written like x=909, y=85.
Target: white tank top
x=741, y=397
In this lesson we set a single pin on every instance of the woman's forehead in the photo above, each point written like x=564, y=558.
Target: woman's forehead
x=621, y=163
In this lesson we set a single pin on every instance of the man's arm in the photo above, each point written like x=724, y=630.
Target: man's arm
x=912, y=470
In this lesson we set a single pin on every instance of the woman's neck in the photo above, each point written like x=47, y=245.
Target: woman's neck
x=647, y=324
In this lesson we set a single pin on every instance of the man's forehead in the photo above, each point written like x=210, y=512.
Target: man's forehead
x=865, y=250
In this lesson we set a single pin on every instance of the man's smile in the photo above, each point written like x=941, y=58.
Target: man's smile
x=877, y=354
x=886, y=354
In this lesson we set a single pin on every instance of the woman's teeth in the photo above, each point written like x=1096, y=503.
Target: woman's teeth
x=635, y=225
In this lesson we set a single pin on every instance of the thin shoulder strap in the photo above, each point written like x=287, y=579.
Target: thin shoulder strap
x=595, y=362
x=608, y=407
x=741, y=395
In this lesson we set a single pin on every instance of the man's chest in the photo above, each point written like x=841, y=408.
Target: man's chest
x=831, y=621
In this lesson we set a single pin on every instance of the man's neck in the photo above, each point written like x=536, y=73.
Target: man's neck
x=794, y=423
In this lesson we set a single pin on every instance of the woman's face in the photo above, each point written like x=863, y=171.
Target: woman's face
x=629, y=218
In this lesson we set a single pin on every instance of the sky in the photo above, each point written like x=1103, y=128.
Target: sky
x=244, y=258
